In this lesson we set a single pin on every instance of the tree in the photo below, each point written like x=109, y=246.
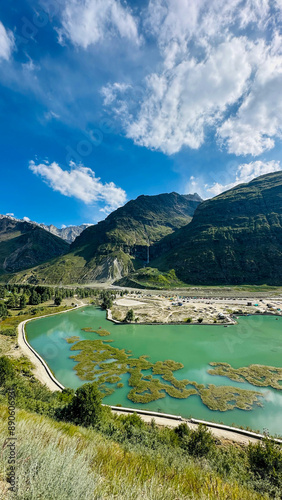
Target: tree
x=107, y=302
x=130, y=315
x=34, y=299
x=3, y=310
x=11, y=302
x=23, y=301
x=45, y=296
x=86, y=407
x=58, y=300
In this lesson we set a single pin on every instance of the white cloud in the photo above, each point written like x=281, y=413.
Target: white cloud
x=244, y=173
x=184, y=100
x=258, y=121
x=7, y=43
x=80, y=182
x=26, y=219
x=112, y=90
x=10, y=214
x=86, y=22
x=220, y=70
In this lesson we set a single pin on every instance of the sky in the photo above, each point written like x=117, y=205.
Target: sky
x=104, y=100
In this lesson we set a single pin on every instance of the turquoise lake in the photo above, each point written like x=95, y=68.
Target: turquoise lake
x=254, y=340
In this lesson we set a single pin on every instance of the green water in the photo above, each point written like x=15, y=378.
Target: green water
x=255, y=340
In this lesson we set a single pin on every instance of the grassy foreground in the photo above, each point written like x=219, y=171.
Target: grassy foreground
x=61, y=461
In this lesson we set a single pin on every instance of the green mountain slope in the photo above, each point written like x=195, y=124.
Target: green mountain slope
x=24, y=245
x=116, y=246
x=233, y=238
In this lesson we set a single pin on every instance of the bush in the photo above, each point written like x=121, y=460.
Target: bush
x=265, y=462
x=200, y=442
x=182, y=431
x=7, y=371
x=86, y=406
x=9, y=332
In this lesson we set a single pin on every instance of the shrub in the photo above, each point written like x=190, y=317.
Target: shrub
x=86, y=406
x=265, y=462
x=9, y=332
x=200, y=442
x=182, y=431
x=7, y=371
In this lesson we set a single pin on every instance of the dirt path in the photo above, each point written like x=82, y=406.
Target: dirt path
x=217, y=433
x=39, y=369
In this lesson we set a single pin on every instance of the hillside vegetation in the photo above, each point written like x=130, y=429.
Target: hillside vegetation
x=234, y=238
x=116, y=246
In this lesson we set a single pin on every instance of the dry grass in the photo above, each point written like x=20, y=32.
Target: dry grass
x=59, y=461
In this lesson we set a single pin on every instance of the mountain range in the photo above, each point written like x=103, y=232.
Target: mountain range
x=233, y=238
x=67, y=233
x=24, y=244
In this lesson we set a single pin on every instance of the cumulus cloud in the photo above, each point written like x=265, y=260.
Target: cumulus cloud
x=7, y=43
x=86, y=22
x=80, y=182
x=181, y=102
x=244, y=173
x=258, y=121
x=220, y=71
x=26, y=219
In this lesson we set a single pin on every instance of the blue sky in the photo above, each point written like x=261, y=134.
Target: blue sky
x=103, y=100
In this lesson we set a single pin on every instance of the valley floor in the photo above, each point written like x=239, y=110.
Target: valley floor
x=150, y=308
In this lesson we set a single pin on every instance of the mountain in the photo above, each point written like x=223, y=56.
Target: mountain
x=24, y=245
x=233, y=238
x=68, y=233
x=115, y=246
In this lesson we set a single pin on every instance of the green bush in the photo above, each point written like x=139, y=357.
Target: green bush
x=9, y=332
x=86, y=406
x=265, y=463
x=7, y=371
x=200, y=442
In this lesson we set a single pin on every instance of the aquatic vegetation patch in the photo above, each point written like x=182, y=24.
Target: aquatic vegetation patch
x=258, y=375
x=225, y=398
x=72, y=340
x=99, y=361
x=102, y=332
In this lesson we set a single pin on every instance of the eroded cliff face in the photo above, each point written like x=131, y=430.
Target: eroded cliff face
x=235, y=237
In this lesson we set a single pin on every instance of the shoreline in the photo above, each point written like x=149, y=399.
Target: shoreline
x=41, y=370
